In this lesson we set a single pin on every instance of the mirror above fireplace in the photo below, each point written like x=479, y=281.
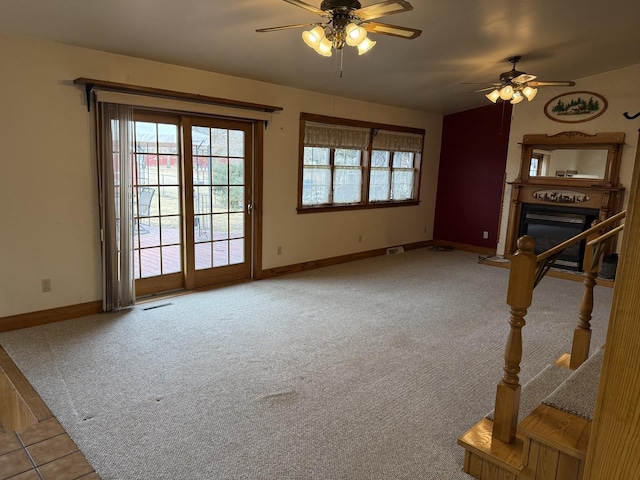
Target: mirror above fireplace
x=571, y=158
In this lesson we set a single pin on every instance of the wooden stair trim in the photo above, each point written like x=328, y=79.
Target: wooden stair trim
x=479, y=441
x=21, y=404
x=564, y=361
x=564, y=431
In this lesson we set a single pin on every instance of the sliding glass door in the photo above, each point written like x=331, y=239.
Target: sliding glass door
x=218, y=165
x=157, y=198
x=192, y=201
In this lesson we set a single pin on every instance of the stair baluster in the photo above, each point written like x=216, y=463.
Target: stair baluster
x=519, y=295
x=582, y=332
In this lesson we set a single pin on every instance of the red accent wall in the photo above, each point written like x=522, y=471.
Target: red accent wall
x=473, y=159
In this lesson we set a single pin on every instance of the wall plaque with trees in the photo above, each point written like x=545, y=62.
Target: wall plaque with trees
x=575, y=107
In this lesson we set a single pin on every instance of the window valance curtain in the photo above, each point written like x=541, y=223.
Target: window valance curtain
x=397, y=141
x=336, y=136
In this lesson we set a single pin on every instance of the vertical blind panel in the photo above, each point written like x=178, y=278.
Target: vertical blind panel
x=397, y=141
x=336, y=136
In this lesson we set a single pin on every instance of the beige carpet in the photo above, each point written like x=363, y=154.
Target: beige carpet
x=366, y=370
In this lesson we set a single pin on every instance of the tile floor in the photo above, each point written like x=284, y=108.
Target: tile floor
x=42, y=451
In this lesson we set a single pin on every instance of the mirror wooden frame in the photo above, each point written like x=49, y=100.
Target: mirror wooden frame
x=611, y=142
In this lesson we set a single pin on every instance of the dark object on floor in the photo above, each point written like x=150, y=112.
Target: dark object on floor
x=440, y=248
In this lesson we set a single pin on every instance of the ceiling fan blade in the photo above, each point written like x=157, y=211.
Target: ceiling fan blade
x=485, y=89
x=479, y=83
x=306, y=6
x=382, y=9
x=524, y=78
x=552, y=83
x=286, y=27
x=395, y=30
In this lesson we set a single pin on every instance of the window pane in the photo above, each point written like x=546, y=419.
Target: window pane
x=148, y=232
x=167, y=138
x=219, y=142
x=202, y=199
x=200, y=141
x=402, y=184
x=380, y=158
x=316, y=185
x=203, y=256
x=347, y=157
x=236, y=225
x=170, y=200
x=202, y=228
x=150, y=261
x=379, y=185
x=170, y=230
x=201, y=171
x=347, y=185
x=146, y=137
x=220, y=226
x=220, y=253
x=220, y=171
x=403, y=160
x=236, y=253
x=220, y=199
x=236, y=143
x=316, y=156
x=236, y=171
x=171, y=259
x=169, y=170
x=236, y=199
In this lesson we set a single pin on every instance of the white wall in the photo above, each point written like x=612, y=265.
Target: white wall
x=49, y=226
x=618, y=87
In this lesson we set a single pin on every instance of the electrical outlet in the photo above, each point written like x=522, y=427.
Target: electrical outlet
x=46, y=285
x=485, y=234
x=360, y=238
x=279, y=250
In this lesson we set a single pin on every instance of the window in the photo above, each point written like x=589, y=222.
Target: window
x=348, y=164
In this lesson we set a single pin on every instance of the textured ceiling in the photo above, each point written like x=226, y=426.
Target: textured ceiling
x=462, y=41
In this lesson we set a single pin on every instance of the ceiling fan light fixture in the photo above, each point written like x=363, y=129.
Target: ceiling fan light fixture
x=517, y=98
x=493, y=96
x=324, y=47
x=313, y=37
x=365, y=45
x=506, y=92
x=529, y=92
x=355, y=34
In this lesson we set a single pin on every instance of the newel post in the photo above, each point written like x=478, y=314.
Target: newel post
x=582, y=332
x=519, y=295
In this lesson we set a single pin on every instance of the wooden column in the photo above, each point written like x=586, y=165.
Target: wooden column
x=519, y=295
x=614, y=446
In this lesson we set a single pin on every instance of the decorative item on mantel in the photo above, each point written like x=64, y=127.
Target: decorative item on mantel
x=575, y=107
x=560, y=196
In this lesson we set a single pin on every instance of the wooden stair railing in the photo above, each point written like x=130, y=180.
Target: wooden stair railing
x=526, y=271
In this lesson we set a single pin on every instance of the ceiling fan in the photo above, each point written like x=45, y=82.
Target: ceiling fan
x=515, y=86
x=348, y=24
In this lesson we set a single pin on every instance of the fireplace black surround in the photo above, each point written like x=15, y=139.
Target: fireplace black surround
x=551, y=225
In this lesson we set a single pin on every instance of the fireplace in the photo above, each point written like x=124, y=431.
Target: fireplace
x=551, y=225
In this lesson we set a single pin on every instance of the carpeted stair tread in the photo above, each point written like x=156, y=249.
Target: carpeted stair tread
x=577, y=394
x=539, y=388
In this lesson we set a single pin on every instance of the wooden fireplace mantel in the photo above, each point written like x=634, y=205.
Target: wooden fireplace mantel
x=604, y=193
